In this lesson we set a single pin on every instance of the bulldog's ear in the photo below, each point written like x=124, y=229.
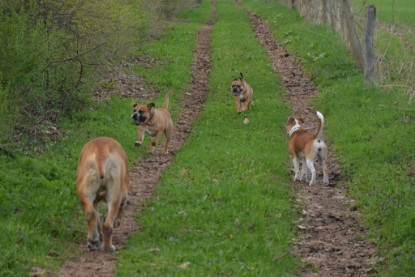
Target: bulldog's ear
x=151, y=105
x=290, y=120
x=135, y=105
x=301, y=119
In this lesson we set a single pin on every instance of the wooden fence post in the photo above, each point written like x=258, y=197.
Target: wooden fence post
x=352, y=35
x=369, y=69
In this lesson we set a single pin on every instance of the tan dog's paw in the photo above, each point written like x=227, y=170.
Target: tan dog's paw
x=93, y=244
x=137, y=143
x=109, y=249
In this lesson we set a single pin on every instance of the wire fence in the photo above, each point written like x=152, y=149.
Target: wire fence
x=360, y=33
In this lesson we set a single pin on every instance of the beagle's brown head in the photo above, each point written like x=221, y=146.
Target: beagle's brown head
x=293, y=122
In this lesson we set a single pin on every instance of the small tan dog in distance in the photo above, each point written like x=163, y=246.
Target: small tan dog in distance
x=242, y=94
x=154, y=122
x=102, y=175
x=305, y=147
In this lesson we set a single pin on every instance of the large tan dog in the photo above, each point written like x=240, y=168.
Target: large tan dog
x=305, y=147
x=242, y=94
x=154, y=122
x=102, y=176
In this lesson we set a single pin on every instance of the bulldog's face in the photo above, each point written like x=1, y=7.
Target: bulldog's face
x=237, y=87
x=142, y=113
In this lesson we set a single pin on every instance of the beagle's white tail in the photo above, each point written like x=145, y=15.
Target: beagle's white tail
x=320, y=128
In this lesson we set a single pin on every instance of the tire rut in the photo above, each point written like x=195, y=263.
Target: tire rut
x=331, y=234
x=146, y=173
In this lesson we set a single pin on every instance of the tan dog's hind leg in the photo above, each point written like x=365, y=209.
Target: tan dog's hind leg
x=113, y=198
x=92, y=219
x=169, y=134
x=113, y=208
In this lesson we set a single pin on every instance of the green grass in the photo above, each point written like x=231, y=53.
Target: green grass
x=400, y=12
x=224, y=206
x=174, y=55
x=394, y=46
x=226, y=197
x=372, y=131
x=41, y=216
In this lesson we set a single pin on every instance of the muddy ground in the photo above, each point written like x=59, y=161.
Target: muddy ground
x=331, y=235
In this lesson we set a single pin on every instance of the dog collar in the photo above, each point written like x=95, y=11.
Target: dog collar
x=294, y=129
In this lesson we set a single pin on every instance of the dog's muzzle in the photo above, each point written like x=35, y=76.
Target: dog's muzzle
x=236, y=91
x=138, y=119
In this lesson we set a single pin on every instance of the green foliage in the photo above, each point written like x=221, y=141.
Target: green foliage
x=370, y=130
x=225, y=199
x=52, y=53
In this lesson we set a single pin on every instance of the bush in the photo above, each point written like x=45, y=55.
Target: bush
x=53, y=52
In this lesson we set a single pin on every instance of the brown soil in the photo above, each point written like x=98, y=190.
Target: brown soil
x=145, y=175
x=331, y=234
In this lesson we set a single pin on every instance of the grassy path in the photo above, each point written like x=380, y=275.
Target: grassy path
x=224, y=206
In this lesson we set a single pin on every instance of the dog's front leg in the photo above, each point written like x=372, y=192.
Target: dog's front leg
x=140, y=140
x=237, y=104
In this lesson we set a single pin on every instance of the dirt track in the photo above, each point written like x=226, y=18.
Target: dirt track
x=330, y=233
x=145, y=175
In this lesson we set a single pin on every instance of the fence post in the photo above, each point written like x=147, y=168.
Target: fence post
x=369, y=46
x=351, y=34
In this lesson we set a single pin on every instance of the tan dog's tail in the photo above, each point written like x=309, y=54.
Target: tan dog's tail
x=320, y=128
x=101, y=169
x=166, y=99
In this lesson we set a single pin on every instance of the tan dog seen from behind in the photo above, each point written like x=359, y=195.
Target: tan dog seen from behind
x=242, y=94
x=305, y=147
x=102, y=175
x=155, y=122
